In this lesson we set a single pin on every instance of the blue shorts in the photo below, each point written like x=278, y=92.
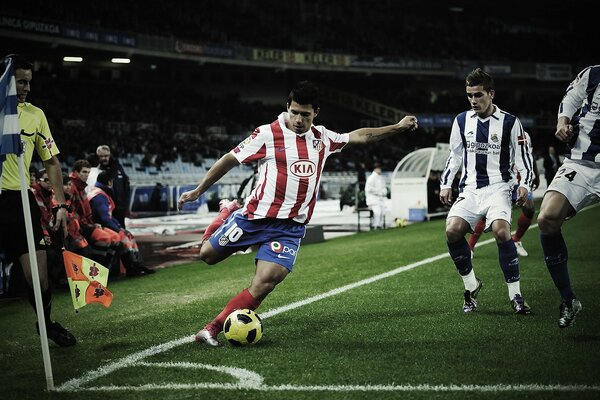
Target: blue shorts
x=278, y=239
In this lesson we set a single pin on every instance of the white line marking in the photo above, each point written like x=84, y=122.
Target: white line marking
x=348, y=388
x=246, y=379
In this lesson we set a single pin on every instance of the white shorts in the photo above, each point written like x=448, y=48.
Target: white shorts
x=492, y=202
x=579, y=182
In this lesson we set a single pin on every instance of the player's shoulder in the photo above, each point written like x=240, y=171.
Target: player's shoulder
x=31, y=109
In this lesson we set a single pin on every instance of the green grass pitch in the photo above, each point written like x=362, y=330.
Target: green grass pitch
x=399, y=335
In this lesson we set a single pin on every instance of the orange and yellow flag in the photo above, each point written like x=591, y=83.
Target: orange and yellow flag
x=87, y=280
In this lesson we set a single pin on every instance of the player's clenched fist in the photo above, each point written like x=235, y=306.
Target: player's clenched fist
x=408, y=123
x=187, y=196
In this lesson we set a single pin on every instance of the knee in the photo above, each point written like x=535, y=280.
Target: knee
x=502, y=234
x=207, y=257
x=548, y=222
x=454, y=233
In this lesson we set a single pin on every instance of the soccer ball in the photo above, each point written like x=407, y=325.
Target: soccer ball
x=243, y=327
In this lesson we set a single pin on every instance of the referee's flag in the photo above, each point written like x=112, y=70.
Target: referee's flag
x=87, y=280
x=9, y=119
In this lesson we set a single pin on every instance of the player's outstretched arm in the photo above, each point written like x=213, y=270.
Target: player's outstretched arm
x=366, y=135
x=216, y=172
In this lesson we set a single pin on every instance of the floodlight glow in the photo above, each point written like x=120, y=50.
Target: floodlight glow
x=73, y=59
x=121, y=60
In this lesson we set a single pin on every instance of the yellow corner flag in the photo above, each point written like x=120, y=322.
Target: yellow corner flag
x=87, y=280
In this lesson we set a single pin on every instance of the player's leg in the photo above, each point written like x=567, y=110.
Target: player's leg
x=460, y=252
x=574, y=187
x=499, y=215
x=226, y=207
x=523, y=223
x=554, y=210
x=275, y=259
x=54, y=330
x=476, y=234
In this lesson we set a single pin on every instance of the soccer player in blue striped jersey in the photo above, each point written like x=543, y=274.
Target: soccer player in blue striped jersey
x=489, y=144
x=576, y=184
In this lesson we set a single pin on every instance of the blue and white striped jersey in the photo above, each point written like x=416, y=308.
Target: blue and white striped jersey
x=583, y=94
x=489, y=150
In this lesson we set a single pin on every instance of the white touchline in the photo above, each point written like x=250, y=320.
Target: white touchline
x=74, y=385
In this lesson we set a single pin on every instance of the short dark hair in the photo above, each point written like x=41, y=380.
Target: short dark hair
x=65, y=179
x=40, y=173
x=19, y=62
x=80, y=164
x=304, y=92
x=104, y=177
x=480, y=77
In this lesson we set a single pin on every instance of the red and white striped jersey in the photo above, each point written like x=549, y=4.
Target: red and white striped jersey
x=290, y=167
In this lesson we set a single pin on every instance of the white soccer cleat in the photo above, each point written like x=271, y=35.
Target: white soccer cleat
x=521, y=250
x=207, y=337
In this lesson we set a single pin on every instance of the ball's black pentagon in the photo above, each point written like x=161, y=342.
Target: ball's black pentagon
x=227, y=325
x=246, y=319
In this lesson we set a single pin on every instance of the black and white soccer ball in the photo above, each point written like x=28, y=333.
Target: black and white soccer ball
x=243, y=327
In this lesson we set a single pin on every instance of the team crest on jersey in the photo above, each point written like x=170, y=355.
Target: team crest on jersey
x=317, y=144
x=303, y=168
x=223, y=240
x=494, y=137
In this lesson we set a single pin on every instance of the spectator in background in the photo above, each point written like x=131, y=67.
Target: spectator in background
x=33, y=178
x=42, y=190
x=551, y=164
x=120, y=182
x=103, y=206
x=104, y=242
x=376, y=194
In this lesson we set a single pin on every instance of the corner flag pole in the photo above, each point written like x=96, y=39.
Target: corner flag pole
x=35, y=276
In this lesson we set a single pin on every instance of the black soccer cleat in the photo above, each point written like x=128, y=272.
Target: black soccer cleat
x=58, y=334
x=568, y=312
x=519, y=305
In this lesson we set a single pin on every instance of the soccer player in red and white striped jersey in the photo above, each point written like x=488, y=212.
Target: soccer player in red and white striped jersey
x=291, y=154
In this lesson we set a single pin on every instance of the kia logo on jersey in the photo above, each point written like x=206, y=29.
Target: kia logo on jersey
x=303, y=168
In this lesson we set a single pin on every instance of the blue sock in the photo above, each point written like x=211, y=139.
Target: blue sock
x=461, y=255
x=556, y=256
x=509, y=261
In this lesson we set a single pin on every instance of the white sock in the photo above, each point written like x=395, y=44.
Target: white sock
x=470, y=281
x=513, y=288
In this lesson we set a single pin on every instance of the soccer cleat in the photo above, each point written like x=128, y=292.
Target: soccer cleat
x=470, y=303
x=58, y=334
x=208, y=336
x=519, y=305
x=568, y=313
x=231, y=205
x=520, y=249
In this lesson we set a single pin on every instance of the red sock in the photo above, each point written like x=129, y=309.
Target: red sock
x=474, y=237
x=216, y=223
x=242, y=300
x=522, y=226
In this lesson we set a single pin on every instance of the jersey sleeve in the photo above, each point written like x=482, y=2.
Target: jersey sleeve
x=44, y=142
x=522, y=159
x=575, y=94
x=252, y=148
x=454, y=160
x=337, y=141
